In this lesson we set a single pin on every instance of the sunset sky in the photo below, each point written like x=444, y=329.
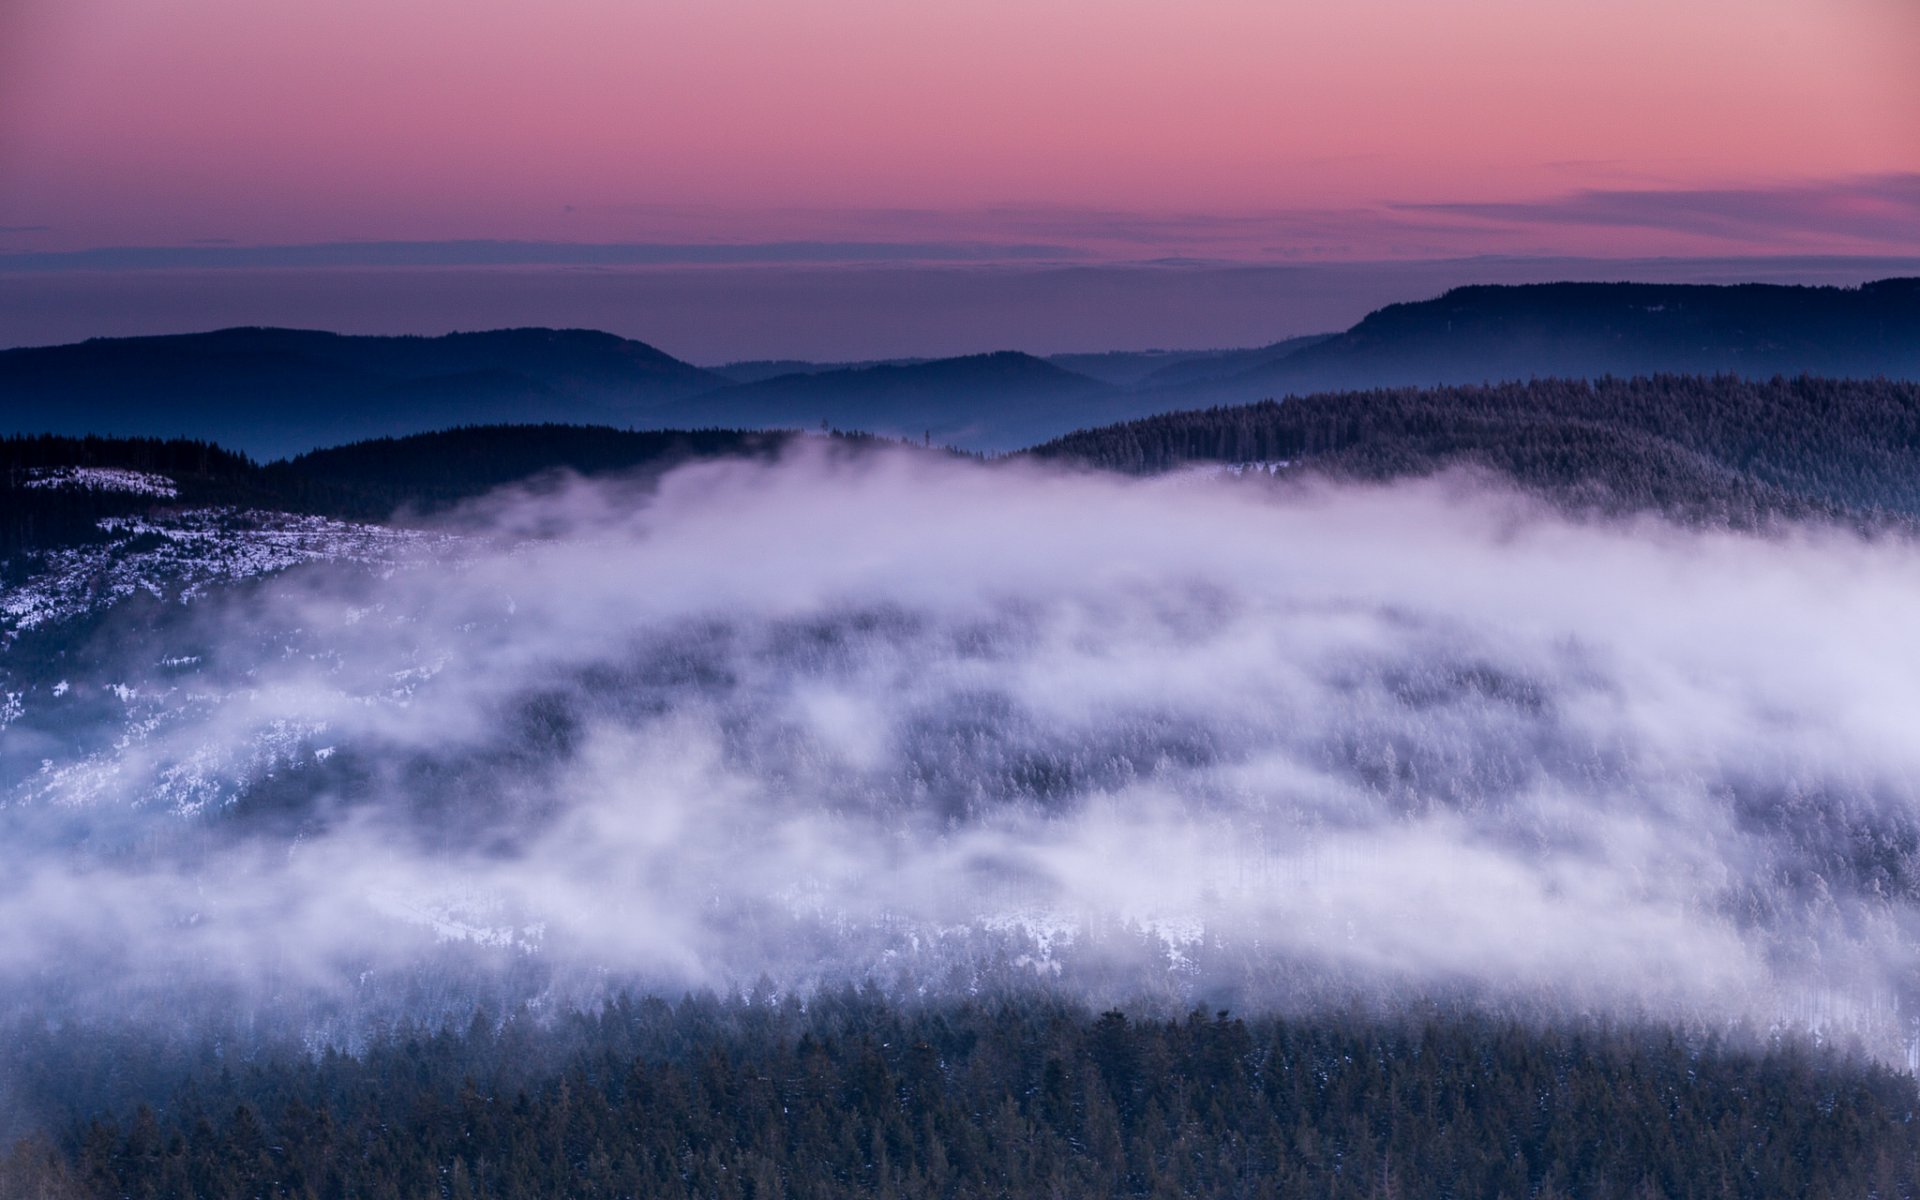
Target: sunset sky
x=215, y=134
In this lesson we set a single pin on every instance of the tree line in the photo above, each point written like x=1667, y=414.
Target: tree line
x=1719, y=448
x=368, y=481
x=855, y=1095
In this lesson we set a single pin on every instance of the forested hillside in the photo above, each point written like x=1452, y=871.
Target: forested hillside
x=854, y=1096
x=432, y=470
x=55, y=490
x=1717, y=448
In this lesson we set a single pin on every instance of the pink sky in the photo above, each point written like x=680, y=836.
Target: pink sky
x=1120, y=129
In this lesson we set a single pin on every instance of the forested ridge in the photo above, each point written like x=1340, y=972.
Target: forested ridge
x=35, y=517
x=858, y=1096
x=434, y=470
x=274, y=392
x=1717, y=448
x=368, y=480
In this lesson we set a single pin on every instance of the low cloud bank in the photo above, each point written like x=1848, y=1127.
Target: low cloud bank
x=947, y=726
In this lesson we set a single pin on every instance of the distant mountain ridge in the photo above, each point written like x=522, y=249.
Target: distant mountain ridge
x=278, y=392
x=1491, y=334
x=274, y=392
x=994, y=401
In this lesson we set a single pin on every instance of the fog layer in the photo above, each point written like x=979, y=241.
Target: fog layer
x=950, y=726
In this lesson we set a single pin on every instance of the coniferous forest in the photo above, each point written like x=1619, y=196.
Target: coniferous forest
x=859, y=1096
x=1722, y=449
x=370, y=480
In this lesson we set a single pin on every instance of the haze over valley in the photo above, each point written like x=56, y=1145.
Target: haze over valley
x=775, y=601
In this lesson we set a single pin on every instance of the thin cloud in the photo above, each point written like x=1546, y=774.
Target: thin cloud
x=212, y=254
x=1864, y=215
x=1880, y=210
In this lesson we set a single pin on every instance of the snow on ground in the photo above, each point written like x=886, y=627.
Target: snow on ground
x=177, y=557
x=1200, y=473
x=468, y=915
x=103, y=479
x=1050, y=931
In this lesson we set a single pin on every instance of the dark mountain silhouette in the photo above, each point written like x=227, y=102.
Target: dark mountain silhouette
x=1118, y=368
x=1721, y=449
x=1470, y=335
x=1121, y=368
x=273, y=392
x=427, y=471
x=759, y=369
x=368, y=480
x=1226, y=364
x=280, y=391
x=979, y=402
x=1586, y=330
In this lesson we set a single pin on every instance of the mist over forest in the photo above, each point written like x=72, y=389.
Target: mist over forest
x=871, y=601
x=927, y=722
x=688, y=807
x=1351, y=713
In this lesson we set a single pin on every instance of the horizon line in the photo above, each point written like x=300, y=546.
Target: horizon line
x=507, y=253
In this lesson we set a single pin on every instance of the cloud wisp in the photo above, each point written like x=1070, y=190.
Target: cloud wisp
x=1874, y=214
x=222, y=254
x=947, y=726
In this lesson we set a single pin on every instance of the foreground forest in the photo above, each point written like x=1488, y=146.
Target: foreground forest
x=758, y=1099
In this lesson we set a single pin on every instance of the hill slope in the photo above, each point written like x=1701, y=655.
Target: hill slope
x=270, y=392
x=274, y=392
x=1586, y=330
x=55, y=491
x=979, y=402
x=1719, y=448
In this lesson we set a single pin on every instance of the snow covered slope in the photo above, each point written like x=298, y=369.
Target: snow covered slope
x=178, y=556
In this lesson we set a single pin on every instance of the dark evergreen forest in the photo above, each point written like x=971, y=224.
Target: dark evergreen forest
x=371, y=480
x=1722, y=449
x=1719, y=448
x=858, y=1096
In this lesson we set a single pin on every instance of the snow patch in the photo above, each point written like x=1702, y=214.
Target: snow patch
x=181, y=556
x=103, y=479
x=1199, y=473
